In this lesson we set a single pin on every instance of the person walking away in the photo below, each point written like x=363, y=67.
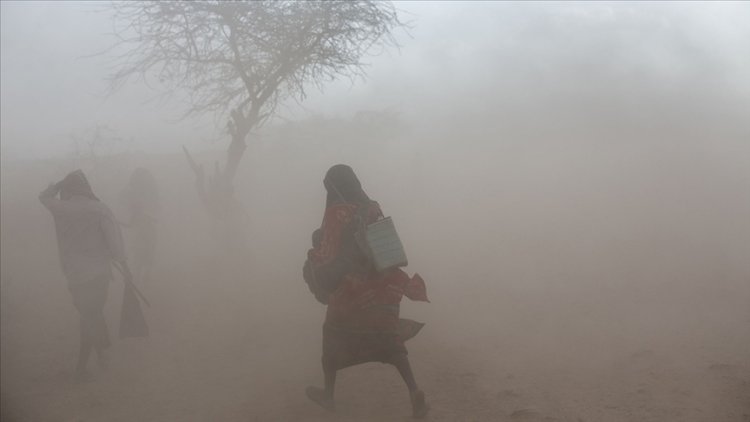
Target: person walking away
x=142, y=197
x=362, y=321
x=89, y=243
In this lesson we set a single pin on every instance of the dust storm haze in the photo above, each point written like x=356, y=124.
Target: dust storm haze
x=572, y=181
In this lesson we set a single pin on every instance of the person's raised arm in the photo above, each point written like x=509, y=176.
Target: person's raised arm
x=47, y=196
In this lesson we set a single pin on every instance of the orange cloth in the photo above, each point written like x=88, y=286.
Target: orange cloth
x=366, y=301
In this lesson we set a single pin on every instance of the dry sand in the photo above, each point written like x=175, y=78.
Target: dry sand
x=600, y=287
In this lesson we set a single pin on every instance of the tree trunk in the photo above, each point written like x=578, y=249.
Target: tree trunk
x=217, y=193
x=239, y=128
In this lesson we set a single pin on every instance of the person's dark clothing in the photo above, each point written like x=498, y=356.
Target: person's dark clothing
x=89, y=299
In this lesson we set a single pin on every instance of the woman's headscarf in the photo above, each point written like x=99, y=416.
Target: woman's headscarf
x=342, y=185
x=76, y=184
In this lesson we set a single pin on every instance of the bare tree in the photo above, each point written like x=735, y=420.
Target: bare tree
x=241, y=59
x=91, y=143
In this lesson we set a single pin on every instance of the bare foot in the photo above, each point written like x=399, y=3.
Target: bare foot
x=319, y=396
x=419, y=404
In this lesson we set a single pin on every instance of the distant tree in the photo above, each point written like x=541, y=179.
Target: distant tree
x=91, y=143
x=241, y=59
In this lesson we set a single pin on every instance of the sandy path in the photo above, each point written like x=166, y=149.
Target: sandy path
x=573, y=320
x=218, y=355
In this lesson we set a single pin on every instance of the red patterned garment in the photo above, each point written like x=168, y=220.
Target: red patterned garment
x=362, y=320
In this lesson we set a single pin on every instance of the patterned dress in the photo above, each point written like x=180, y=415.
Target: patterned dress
x=362, y=320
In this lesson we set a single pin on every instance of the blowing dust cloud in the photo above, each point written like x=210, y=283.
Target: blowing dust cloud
x=375, y=211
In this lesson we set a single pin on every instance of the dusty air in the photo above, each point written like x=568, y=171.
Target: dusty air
x=374, y=211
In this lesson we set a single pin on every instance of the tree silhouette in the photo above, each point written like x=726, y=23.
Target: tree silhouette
x=240, y=59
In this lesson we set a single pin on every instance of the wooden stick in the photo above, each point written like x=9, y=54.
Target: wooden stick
x=137, y=291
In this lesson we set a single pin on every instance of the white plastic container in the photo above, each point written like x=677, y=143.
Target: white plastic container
x=384, y=244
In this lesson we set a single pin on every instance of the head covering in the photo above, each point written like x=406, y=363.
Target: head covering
x=76, y=184
x=343, y=186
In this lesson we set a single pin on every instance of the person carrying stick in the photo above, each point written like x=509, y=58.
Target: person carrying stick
x=89, y=242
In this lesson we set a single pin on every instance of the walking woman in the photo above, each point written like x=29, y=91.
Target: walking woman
x=142, y=197
x=362, y=321
x=89, y=242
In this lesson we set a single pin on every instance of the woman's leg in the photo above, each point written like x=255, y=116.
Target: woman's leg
x=84, y=350
x=100, y=333
x=401, y=362
x=324, y=396
x=329, y=373
x=101, y=339
x=147, y=259
x=89, y=300
x=418, y=402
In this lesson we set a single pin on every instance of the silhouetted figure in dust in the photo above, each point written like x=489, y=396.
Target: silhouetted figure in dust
x=362, y=320
x=89, y=242
x=143, y=207
x=228, y=215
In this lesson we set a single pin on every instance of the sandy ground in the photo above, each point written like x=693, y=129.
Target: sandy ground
x=532, y=317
